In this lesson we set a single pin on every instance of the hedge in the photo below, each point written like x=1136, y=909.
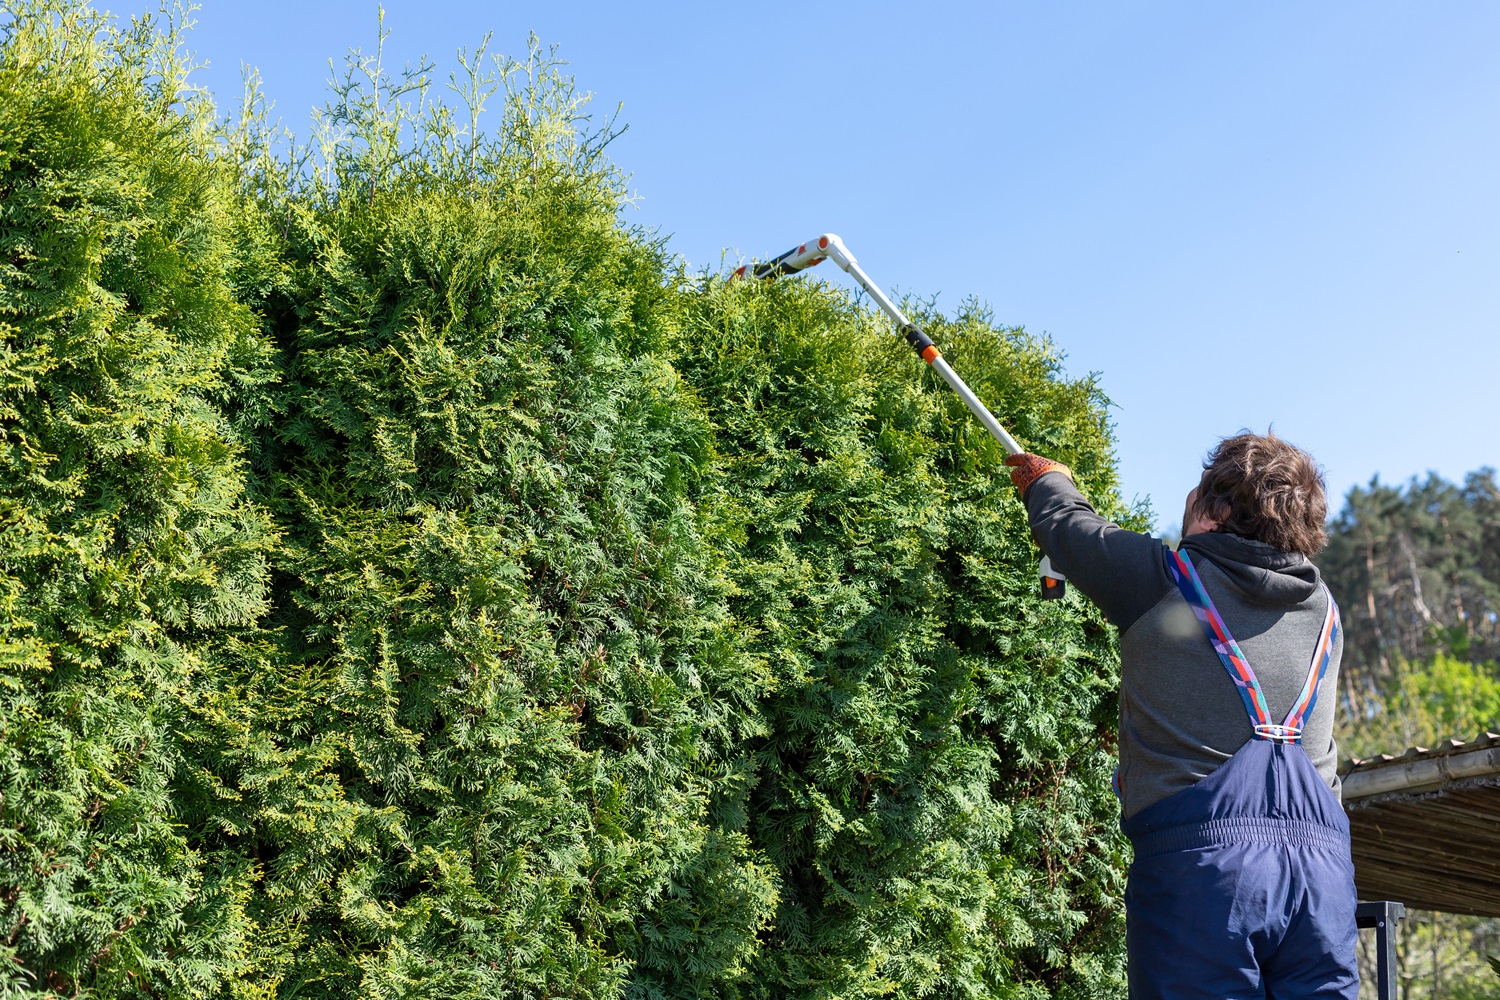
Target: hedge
x=417, y=584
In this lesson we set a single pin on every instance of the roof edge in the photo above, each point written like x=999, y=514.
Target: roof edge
x=1446, y=748
x=1422, y=772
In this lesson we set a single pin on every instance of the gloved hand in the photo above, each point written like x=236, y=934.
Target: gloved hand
x=1027, y=468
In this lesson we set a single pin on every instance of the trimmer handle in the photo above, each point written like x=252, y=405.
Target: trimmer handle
x=1054, y=584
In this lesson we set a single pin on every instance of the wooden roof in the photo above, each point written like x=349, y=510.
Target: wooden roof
x=1426, y=826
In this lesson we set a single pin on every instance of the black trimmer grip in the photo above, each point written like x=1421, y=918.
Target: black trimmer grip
x=920, y=342
x=798, y=258
x=776, y=268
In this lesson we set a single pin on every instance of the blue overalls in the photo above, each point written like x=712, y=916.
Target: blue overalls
x=1242, y=885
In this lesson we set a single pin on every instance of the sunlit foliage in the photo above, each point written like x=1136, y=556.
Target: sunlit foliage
x=416, y=585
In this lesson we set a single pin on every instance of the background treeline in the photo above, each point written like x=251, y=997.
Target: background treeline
x=1416, y=571
x=414, y=584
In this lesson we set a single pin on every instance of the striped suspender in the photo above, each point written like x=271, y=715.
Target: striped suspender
x=1303, y=707
x=1245, y=681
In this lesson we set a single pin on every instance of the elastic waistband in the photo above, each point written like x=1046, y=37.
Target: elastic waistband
x=1239, y=830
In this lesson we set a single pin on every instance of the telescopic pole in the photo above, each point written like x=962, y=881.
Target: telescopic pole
x=830, y=247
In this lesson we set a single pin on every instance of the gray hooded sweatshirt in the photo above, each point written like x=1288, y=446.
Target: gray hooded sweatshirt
x=1181, y=715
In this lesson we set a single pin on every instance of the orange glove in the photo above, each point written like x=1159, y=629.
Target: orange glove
x=1027, y=468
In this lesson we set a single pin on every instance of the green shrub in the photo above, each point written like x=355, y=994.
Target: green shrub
x=131, y=556
x=934, y=789
x=419, y=587
x=500, y=681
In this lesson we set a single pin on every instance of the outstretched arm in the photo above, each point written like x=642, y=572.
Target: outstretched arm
x=1123, y=572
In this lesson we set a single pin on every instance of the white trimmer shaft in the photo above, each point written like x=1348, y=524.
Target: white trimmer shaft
x=830, y=247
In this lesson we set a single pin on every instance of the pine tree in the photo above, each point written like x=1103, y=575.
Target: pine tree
x=1414, y=569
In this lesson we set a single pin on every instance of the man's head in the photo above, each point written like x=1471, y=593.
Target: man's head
x=1261, y=487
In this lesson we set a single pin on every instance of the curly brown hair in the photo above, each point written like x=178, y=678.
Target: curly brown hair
x=1264, y=488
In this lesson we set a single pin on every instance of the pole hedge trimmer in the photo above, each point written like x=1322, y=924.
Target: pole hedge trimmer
x=830, y=247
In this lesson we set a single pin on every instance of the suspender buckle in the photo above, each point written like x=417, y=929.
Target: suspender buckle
x=1278, y=734
x=1290, y=730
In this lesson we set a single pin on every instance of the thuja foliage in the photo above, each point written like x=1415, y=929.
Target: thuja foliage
x=500, y=681
x=131, y=554
x=417, y=585
x=934, y=787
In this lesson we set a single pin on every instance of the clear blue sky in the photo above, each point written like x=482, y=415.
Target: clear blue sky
x=1238, y=214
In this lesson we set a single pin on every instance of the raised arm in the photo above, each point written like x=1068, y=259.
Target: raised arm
x=1123, y=572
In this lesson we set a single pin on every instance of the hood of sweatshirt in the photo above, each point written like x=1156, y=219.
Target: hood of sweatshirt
x=1261, y=574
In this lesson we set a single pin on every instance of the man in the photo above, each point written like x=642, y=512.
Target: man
x=1242, y=885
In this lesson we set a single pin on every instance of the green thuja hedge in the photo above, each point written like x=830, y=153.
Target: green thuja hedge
x=416, y=585
x=133, y=560
x=934, y=787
